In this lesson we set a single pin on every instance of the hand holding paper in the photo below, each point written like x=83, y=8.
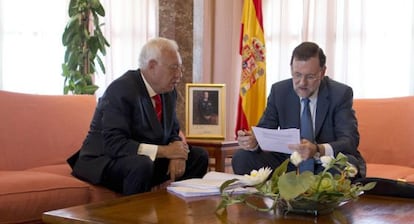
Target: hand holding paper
x=276, y=140
x=246, y=140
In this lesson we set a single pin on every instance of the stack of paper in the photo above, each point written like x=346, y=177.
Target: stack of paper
x=208, y=185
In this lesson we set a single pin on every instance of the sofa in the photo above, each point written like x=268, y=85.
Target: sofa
x=37, y=134
x=386, y=128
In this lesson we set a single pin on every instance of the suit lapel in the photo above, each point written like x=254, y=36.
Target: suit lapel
x=147, y=106
x=151, y=114
x=167, y=112
x=322, y=107
x=163, y=128
x=294, y=108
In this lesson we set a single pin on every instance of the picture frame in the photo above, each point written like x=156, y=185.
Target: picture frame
x=205, y=112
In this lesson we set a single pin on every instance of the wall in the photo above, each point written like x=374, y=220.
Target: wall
x=176, y=22
x=207, y=32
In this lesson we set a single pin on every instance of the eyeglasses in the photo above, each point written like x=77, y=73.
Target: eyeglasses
x=176, y=67
x=308, y=78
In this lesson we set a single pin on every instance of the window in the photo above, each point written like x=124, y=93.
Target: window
x=31, y=52
x=368, y=43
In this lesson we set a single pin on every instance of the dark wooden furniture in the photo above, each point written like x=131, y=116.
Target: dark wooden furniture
x=219, y=150
x=165, y=207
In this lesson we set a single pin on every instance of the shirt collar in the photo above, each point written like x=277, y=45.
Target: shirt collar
x=313, y=97
x=150, y=90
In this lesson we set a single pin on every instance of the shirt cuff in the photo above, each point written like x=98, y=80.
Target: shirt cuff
x=328, y=150
x=148, y=150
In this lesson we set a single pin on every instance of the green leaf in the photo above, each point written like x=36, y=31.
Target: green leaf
x=70, y=30
x=292, y=185
x=93, y=43
x=101, y=65
x=341, y=158
x=368, y=186
x=98, y=8
x=226, y=184
x=281, y=169
x=72, y=7
x=90, y=89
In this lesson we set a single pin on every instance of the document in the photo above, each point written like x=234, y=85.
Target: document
x=208, y=185
x=276, y=140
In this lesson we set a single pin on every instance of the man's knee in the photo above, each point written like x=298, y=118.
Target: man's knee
x=200, y=155
x=240, y=161
x=197, y=163
x=141, y=169
x=128, y=175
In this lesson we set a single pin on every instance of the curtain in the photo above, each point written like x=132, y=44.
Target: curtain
x=128, y=26
x=369, y=43
x=31, y=52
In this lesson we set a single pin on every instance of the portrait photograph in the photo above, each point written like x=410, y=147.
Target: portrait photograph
x=205, y=110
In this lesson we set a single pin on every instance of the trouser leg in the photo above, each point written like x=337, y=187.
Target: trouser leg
x=129, y=175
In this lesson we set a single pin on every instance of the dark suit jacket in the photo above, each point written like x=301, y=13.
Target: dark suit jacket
x=124, y=118
x=335, y=121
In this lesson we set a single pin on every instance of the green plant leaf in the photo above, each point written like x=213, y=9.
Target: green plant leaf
x=101, y=64
x=226, y=184
x=72, y=7
x=90, y=89
x=97, y=7
x=292, y=185
x=82, y=47
x=369, y=186
x=281, y=169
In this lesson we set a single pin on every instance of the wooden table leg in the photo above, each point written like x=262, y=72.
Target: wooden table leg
x=220, y=163
x=217, y=149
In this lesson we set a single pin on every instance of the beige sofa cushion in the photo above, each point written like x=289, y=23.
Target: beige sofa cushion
x=393, y=172
x=386, y=128
x=40, y=130
x=26, y=194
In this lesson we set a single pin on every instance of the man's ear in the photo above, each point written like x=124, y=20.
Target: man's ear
x=152, y=63
x=323, y=71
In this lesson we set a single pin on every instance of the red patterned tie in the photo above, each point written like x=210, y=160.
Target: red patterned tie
x=158, y=106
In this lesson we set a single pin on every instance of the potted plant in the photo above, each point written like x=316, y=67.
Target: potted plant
x=299, y=192
x=84, y=42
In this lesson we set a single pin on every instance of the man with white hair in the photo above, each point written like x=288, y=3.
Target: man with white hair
x=133, y=143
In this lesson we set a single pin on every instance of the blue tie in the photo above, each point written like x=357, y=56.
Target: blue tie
x=306, y=131
x=306, y=126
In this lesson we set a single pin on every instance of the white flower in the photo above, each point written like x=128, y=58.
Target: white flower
x=256, y=177
x=326, y=160
x=295, y=158
x=351, y=170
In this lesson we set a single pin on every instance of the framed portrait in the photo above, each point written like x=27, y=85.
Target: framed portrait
x=205, y=113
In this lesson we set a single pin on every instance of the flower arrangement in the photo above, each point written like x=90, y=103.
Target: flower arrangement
x=315, y=193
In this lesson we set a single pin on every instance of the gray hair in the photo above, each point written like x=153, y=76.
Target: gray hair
x=153, y=49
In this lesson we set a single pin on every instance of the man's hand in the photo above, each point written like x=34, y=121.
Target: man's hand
x=176, y=168
x=306, y=149
x=174, y=150
x=246, y=140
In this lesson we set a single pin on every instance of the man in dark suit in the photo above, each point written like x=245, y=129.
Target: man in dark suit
x=128, y=148
x=335, y=128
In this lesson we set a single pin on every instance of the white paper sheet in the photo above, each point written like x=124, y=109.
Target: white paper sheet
x=276, y=140
x=208, y=185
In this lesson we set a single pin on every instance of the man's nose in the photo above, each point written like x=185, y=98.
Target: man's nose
x=303, y=80
x=179, y=74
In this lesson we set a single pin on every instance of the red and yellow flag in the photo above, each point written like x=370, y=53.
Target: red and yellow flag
x=252, y=96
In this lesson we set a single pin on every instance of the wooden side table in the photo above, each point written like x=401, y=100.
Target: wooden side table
x=217, y=149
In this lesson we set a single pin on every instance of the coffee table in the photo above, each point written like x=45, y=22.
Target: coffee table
x=165, y=207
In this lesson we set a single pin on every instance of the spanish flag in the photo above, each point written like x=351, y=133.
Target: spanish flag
x=252, y=96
